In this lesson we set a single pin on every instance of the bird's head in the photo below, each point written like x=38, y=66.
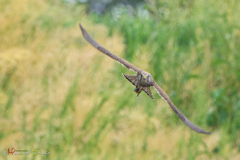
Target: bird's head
x=145, y=79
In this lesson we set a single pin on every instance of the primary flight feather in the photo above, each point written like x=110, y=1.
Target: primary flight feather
x=143, y=81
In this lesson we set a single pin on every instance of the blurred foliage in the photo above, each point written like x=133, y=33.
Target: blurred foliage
x=59, y=94
x=103, y=6
x=176, y=32
x=214, y=38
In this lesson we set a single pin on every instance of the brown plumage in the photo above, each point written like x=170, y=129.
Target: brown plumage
x=143, y=81
x=138, y=89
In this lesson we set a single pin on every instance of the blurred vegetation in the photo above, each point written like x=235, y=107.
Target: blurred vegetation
x=103, y=6
x=59, y=94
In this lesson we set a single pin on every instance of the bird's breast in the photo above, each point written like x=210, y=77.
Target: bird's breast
x=138, y=90
x=144, y=84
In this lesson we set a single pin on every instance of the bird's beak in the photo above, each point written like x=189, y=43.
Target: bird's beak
x=144, y=77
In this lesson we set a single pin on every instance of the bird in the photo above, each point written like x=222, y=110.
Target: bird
x=142, y=81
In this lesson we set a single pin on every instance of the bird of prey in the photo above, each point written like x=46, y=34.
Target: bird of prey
x=142, y=81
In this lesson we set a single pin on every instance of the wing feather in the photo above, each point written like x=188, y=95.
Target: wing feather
x=178, y=112
x=131, y=78
x=95, y=44
x=148, y=91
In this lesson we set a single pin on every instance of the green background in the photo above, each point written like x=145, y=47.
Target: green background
x=59, y=94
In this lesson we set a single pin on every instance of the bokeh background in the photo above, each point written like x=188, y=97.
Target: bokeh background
x=59, y=94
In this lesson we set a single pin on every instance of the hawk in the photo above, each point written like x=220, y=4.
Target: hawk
x=142, y=81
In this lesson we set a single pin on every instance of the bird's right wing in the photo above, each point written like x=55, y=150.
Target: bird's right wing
x=95, y=44
x=177, y=111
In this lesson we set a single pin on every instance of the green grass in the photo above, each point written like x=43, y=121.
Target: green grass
x=59, y=94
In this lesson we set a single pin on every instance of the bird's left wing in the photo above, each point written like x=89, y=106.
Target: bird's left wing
x=177, y=111
x=95, y=44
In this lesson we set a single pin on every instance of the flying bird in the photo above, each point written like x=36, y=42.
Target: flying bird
x=142, y=81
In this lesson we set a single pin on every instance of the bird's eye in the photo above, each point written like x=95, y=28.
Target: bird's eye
x=148, y=78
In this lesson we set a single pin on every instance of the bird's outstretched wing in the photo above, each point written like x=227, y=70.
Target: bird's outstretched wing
x=95, y=44
x=177, y=111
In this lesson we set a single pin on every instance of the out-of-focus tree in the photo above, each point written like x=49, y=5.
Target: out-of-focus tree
x=102, y=6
